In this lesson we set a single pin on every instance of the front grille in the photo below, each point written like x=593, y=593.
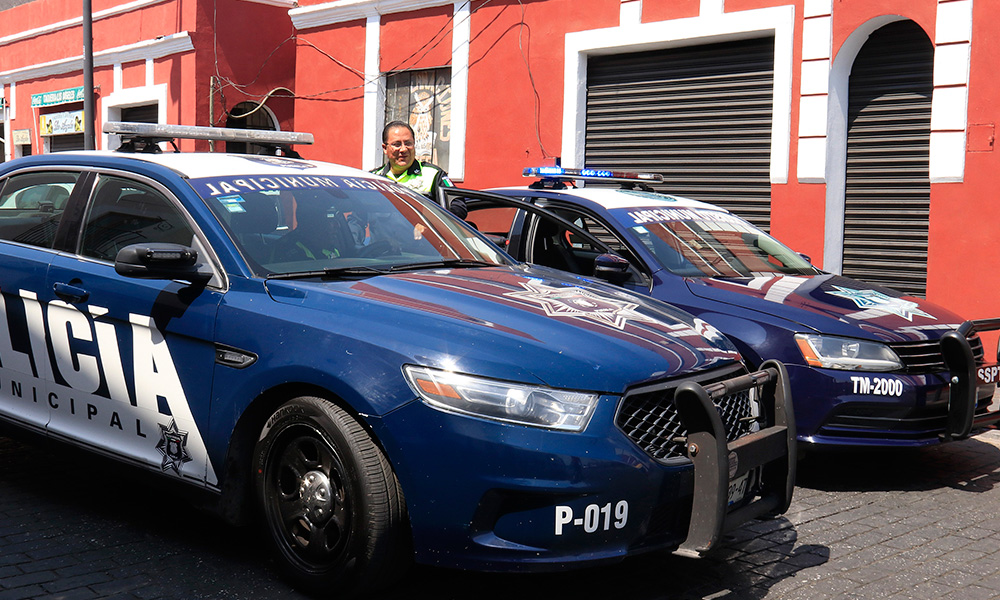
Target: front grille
x=882, y=422
x=650, y=419
x=920, y=358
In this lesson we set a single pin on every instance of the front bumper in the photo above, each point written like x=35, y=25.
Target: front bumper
x=489, y=496
x=845, y=408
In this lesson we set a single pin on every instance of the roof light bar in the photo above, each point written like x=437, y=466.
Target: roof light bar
x=591, y=174
x=219, y=134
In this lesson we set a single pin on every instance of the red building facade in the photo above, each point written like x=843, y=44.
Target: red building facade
x=161, y=61
x=859, y=133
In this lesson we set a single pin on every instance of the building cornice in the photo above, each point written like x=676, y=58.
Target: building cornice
x=340, y=11
x=148, y=49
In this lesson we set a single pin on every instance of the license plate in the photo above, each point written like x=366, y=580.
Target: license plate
x=738, y=488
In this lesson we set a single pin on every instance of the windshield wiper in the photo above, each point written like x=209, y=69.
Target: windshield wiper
x=451, y=263
x=331, y=273
x=366, y=271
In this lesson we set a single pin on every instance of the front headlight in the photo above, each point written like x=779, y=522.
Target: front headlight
x=831, y=352
x=502, y=401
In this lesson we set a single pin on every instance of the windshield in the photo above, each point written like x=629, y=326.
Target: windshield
x=695, y=242
x=349, y=225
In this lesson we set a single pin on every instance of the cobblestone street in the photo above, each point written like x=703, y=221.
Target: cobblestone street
x=907, y=524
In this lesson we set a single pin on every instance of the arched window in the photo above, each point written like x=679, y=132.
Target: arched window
x=249, y=115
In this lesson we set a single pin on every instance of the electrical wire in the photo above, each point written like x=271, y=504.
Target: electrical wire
x=432, y=42
x=531, y=78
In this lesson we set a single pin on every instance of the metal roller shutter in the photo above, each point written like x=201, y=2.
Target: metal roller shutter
x=66, y=143
x=699, y=115
x=887, y=201
x=149, y=113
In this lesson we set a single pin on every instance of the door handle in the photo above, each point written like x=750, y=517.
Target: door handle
x=71, y=293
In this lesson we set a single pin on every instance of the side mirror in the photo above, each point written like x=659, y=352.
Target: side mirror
x=161, y=261
x=806, y=257
x=611, y=268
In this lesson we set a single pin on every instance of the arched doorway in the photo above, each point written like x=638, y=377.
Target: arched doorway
x=249, y=115
x=887, y=196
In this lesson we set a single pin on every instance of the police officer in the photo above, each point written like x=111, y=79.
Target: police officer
x=402, y=167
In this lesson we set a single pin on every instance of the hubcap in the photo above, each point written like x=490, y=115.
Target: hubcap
x=316, y=496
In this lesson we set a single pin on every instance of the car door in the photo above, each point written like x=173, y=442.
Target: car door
x=555, y=235
x=31, y=206
x=132, y=358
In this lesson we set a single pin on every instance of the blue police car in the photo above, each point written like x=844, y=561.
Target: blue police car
x=364, y=375
x=868, y=366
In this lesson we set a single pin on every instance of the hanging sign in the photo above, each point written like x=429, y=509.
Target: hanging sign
x=57, y=97
x=21, y=137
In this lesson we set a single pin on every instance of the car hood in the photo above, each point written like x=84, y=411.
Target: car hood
x=525, y=324
x=833, y=304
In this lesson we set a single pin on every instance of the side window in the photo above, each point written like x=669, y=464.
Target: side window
x=125, y=212
x=31, y=205
x=552, y=245
x=555, y=246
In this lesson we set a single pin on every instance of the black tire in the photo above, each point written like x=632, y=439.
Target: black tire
x=330, y=503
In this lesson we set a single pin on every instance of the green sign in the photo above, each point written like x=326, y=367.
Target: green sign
x=58, y=97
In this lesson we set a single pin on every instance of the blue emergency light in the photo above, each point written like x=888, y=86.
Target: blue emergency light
x=590, y=174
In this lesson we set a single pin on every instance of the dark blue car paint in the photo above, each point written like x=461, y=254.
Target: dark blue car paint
x=763, y=328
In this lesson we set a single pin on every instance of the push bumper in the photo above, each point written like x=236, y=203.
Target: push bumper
x=491, y=496
x=966, y=377
x=772, y=451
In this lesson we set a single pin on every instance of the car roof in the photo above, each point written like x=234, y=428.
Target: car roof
x=612, y=198
x=211, y=164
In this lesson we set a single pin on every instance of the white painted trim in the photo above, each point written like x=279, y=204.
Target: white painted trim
x=811, y=163
x=954, y=22
x=150, y=73
x=461, y=37
x=949, y=108
x=289, y=4
x=815, y=77
x=777, y=21
x=340, y=11
x=156, y=48
x=817, y=38
x=123, y=98
x=709, y=8
x=6, y=117
x=116, y=77
x=817, y=8
x=951, y=64
x=630, y=12
x=78, y=21
x=812, y=116
x=947, y=156
x=374, y=98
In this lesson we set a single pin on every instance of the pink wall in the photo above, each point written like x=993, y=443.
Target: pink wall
x=329, y=76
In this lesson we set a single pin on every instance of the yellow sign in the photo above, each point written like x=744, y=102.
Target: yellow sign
x=61, y=123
